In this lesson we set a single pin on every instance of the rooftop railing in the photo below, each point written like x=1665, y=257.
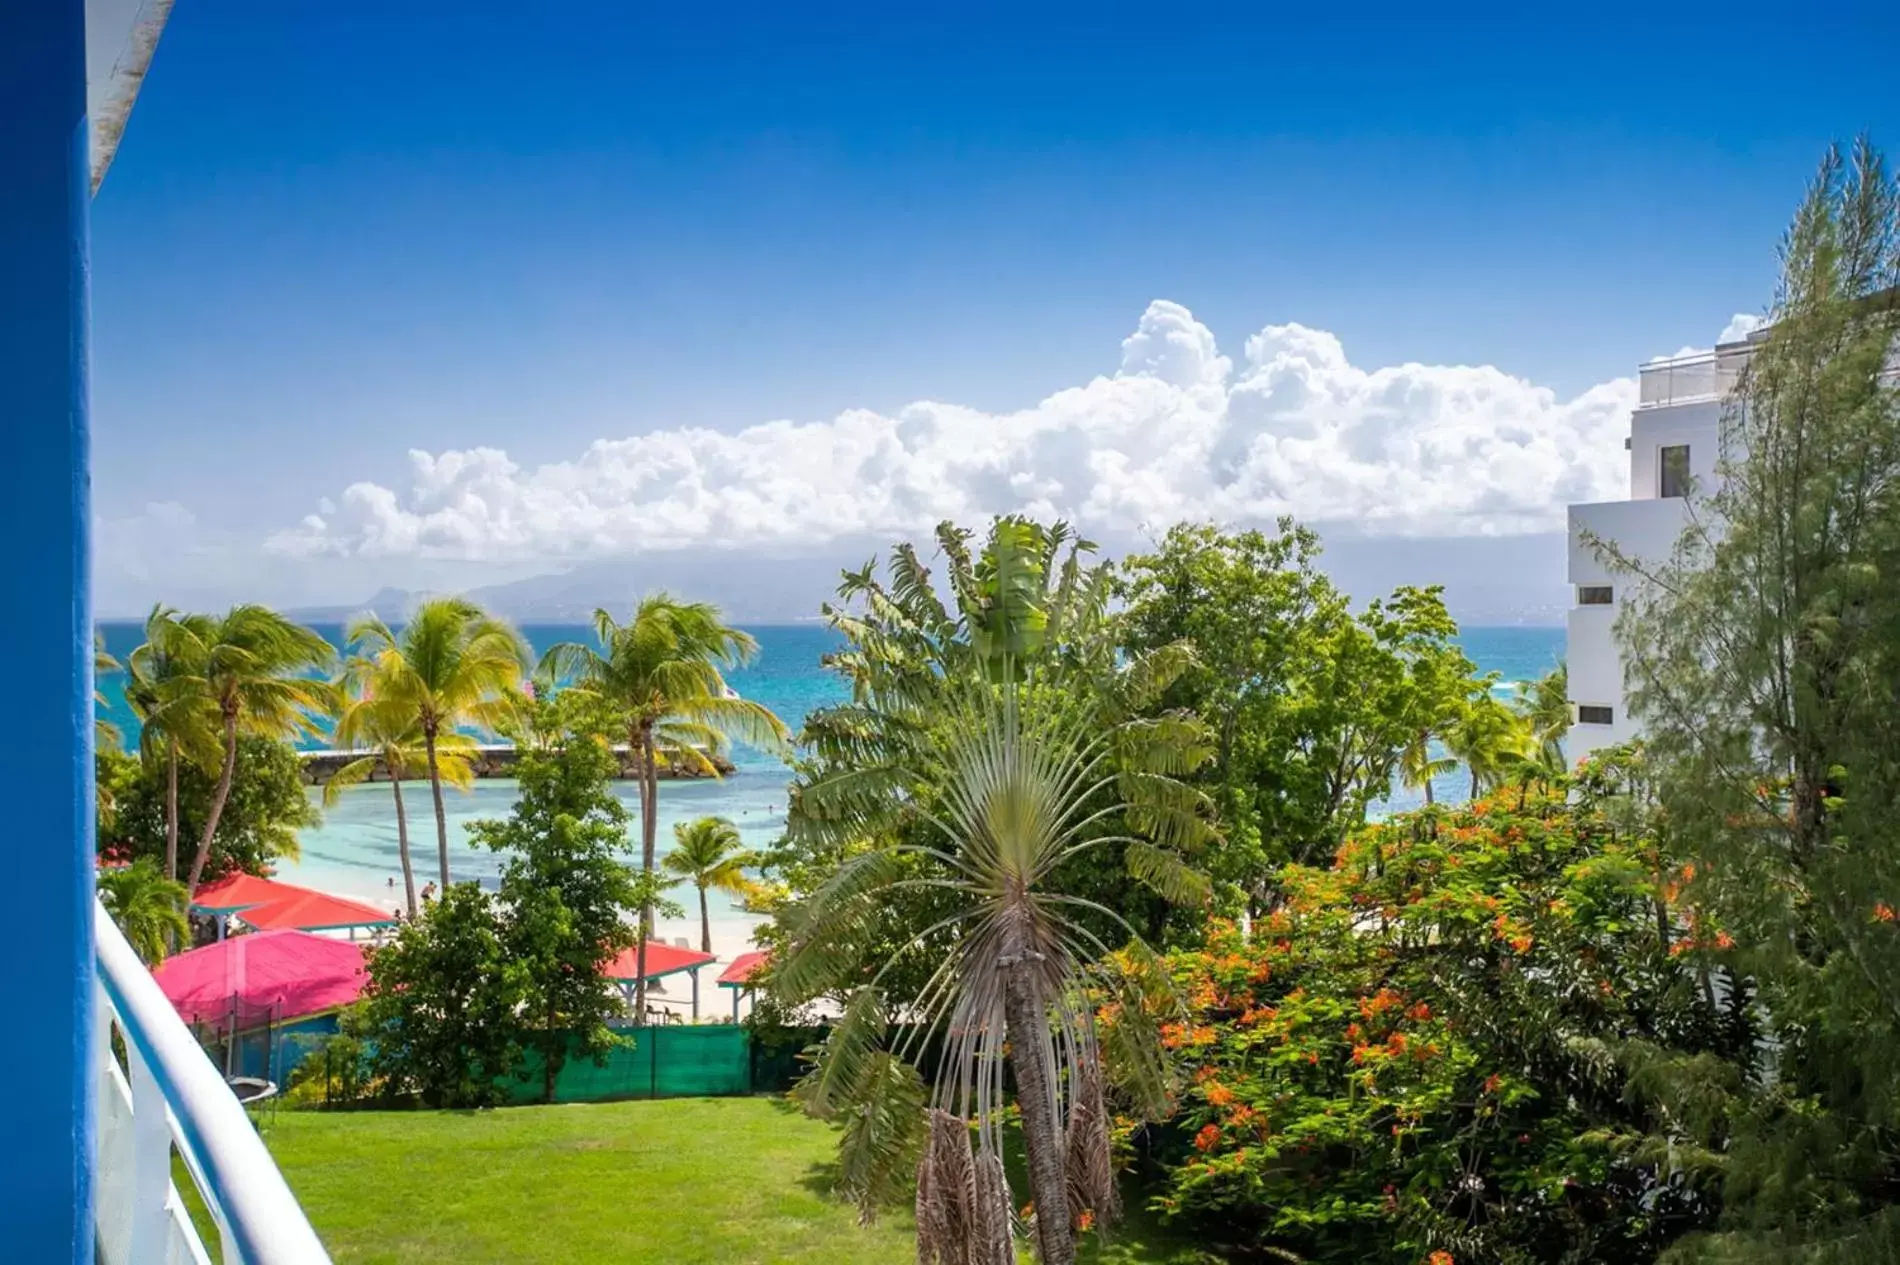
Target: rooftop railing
x=1689, y=379
x=158, y=1091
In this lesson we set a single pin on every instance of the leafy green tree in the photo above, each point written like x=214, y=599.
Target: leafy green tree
x=709, y=854
x=251, y=666
x=661, y=670
x=387, y=731
x=265, y=805
x=1012, y=783
x=443, y=1012
x=453, y=666
x=1763, y=659
x=564, y=890
x=1316, y=708
x=148, y=907
x=1423, y=1050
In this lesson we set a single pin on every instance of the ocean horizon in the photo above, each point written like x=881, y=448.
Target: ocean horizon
x=353, y=852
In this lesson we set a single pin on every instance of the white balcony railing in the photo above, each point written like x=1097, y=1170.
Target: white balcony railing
x=167, y=1094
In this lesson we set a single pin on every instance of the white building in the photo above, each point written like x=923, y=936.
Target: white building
x=1675, y=440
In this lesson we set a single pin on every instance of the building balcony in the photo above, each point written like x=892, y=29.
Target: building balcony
x=157, y=1092
x=1691, y=379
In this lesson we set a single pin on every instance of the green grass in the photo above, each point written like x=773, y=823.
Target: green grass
x=681, y=1180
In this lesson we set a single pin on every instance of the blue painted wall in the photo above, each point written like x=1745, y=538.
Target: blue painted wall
x=45, y=633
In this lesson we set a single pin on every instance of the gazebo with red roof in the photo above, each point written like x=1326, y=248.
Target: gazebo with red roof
x=662, y=960
x=268, y=905
x=739, y=977
x=315, y=911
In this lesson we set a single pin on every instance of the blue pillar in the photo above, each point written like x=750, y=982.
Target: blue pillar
x=46, y=636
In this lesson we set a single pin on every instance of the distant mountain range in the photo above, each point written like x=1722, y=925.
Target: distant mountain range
x=1502, y=580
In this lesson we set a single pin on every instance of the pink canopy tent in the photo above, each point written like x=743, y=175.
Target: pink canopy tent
x=287, y=974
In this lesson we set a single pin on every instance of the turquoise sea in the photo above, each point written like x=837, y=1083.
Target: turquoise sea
x=353, y=852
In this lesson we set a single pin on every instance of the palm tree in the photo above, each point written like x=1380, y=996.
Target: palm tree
x=104, y=732
x=662, y=669
x=252, y=666
x=176, y=718
x=708, y=854
x=454, y=666
x=391, y=738
x=1545, y=706
x=149, y=908
x=1486, y=737
x=1418, y=766
x=1020, y=778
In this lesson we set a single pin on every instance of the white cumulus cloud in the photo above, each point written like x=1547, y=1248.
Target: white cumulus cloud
x=1178, y=431
x=1740, y=326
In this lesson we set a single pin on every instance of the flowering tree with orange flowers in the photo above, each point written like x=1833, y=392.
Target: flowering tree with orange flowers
x=1426, y=1052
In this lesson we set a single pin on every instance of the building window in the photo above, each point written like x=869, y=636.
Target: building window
x=1589, y=715
x=1673, y=466
x=1595, y=595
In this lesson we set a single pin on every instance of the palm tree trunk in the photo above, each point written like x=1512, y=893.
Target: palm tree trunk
x=218, y=799
x=402, y=843
x=441, y=813
x=1428, y=788
x=642, y=742
x=171, y=810
x=705, y=923
x=1042, y=1135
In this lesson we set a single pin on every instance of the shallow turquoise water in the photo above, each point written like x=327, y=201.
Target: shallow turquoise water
x=353, y=852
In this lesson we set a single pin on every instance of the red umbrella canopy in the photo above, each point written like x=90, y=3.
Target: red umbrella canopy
x=662, y=959
x=289, y=973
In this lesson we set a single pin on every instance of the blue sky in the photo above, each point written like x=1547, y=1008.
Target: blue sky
x=333, y=236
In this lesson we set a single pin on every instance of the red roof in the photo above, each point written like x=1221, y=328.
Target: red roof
x=315, y=911
x=662, y=959
x=743, y=968
x=242, y=891
x=289, y=972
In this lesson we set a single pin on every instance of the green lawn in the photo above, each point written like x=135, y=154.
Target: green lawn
x=681, y=1180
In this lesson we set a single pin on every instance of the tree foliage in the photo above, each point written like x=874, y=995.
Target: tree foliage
x=1424, y=1049
x=1315, y=707
x=148, y=907
x=565, y=891
x=266, y=805
x=1763, y=658
x=442, y=1015
x=660, y=672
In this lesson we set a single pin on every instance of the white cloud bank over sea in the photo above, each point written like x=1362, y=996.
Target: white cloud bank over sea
x=1179, y=430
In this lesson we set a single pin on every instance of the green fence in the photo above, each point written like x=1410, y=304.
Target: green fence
x=684, y=1061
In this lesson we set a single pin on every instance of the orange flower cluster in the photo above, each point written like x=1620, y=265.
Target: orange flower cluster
x=1380, y=1002
x=1218, y=1095
x=1207, y=1139
x=1883, y=911
x=1440, y=1257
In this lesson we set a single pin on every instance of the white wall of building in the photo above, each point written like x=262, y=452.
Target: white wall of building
x=1679, y=406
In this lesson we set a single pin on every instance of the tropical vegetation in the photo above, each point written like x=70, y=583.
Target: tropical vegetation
x=661, y=671
x=708, y=854
x=453, y=666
